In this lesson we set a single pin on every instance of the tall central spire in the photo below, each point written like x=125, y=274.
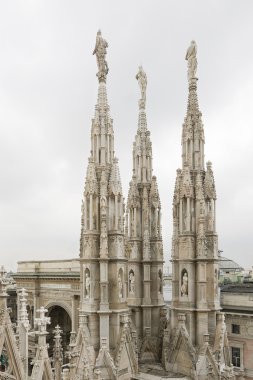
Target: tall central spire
x=144, y=235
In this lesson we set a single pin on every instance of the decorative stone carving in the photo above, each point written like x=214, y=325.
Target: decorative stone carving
x=199, y=187
x=146, y=244
x=209, y=185
x=131, y=282
x=202, y=210
x=103, y=242
x=191, y=57
x=142, y=80
x=87, y=284
x=184, y=285
x=100, y=51
x=120, y=286
x=187, y=188
x=103, y=204
x=201, y=246
x=91, y=185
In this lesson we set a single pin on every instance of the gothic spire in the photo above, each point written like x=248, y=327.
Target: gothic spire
x=193, y=133
x=142, y=147
x=195, y=241
x=103, y=261
x=102, y=139
x=143, y=229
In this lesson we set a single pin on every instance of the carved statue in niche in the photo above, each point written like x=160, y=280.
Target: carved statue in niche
x=184, y=284
x=103, y=244
x=103, y=205
x=160, y=249
x=120, y=286
x=202, y=207
x=146, y=242
x=131, y=282
x=87, y=285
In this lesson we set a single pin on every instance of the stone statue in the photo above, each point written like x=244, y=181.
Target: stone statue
x=202, y=207
x=120, y=285
x=142, y=80
x=191, y=57
x=87, y=285
x=103, y=244
x=146, y=242
x=184, y=287
x=103, y=203
x=131, y=282
x=100, y=51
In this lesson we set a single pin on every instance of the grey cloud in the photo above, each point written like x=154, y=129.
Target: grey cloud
x=48, y=91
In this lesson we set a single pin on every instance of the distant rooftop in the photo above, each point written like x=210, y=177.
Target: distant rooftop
x=237, y=288
x=226, y=264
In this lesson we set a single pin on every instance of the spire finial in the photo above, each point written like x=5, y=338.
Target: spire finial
x=142, y=80
x=100, y=51
x=191, y=57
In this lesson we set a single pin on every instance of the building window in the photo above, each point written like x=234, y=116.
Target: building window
x=235, y=329
x=236, y=357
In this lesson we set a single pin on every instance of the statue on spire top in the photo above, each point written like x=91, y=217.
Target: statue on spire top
x=191, y=57
x=142, y=80
x=100, y=51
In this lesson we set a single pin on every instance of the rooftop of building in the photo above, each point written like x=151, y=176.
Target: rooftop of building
x=238, y=288
x=228, y=264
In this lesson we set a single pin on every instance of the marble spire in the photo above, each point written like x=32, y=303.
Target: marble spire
x=103, y=259
x=143, y=230
x=193, y=139
x=195, y=297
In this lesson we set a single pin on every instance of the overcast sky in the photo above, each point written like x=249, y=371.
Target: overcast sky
x=48, y=90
